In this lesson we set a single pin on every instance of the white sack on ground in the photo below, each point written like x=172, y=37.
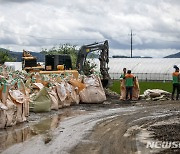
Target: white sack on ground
x=94, y=92
x=92, y=95
x=155, y=95
x=54, y=99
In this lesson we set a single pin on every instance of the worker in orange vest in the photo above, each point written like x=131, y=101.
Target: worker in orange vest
x=176, y=82
x=129, y=82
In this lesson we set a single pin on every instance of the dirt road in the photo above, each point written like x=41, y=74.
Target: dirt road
x=113, y=127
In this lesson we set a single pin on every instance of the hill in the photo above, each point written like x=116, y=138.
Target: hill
x=18, y=56
x=176, y=55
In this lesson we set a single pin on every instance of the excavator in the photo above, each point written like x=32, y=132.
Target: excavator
x=103, y=48
x=62, y=63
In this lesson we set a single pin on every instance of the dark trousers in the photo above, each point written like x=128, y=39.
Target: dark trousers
x=175, y=88
x=129, y=91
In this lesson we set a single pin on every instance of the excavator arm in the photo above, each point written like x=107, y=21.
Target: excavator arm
x=103, y=47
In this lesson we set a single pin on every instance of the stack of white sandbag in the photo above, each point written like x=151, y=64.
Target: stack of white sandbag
x=21, y=92
x=52, y=96
x=14, y=102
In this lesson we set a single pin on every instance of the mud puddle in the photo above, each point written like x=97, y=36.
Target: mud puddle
x=43, y=123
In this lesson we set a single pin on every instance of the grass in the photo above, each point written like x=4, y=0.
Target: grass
x=167, y=86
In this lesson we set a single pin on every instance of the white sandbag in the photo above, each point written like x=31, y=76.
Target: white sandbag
x=3, y=107
x=5, y=92
x=61, y=91
x=91, y=81
x=22, y=88
x=75, y=96
x=26, y=105
x=54, y=99
x=38, y=85
x=92, y=94
x=20, y=113
x=3, y=118
x=156, y=94
x=159, y=91
x=11, y=113
x=17, y=96
x=122, y=90
x=69, y=99
x=136, y=90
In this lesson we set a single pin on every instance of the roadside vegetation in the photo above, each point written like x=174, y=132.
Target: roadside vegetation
x=5, y=56
x=144, y=85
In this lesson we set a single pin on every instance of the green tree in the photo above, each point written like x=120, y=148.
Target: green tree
x=5, y=56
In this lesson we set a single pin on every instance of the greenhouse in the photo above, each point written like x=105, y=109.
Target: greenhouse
x=144, y=68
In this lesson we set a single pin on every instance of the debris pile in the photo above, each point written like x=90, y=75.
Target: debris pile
x=155, y=95
x=21, y=92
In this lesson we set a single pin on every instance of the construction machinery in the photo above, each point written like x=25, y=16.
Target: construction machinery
x=29, y=63
x=63, y=64
x=103, y=48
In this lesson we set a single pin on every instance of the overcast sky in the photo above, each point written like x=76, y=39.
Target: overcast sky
x=37, y=24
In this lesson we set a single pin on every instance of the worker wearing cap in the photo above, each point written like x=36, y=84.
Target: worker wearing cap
x=176, y=81
x=129, y=82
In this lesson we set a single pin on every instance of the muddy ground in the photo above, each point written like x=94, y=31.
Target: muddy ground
x=116, y=127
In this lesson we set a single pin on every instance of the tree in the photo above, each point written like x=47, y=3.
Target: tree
x=5, y=56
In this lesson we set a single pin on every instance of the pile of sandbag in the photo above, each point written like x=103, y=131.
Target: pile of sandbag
x=62, y=92
x=51, y=92
x=155, y=95
x=14, y=102
x=21, y=92
x=135, y=92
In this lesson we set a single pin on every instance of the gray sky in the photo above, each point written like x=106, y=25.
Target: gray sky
x=33, y=25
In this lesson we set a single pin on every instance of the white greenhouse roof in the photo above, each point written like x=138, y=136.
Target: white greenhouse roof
x=142, y=65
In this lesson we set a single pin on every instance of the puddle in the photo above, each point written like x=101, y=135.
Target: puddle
x=25, y=131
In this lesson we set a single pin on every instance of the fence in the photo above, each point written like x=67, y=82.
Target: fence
x=146, y=76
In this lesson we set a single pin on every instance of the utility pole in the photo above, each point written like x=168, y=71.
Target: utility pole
x=131, y=42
